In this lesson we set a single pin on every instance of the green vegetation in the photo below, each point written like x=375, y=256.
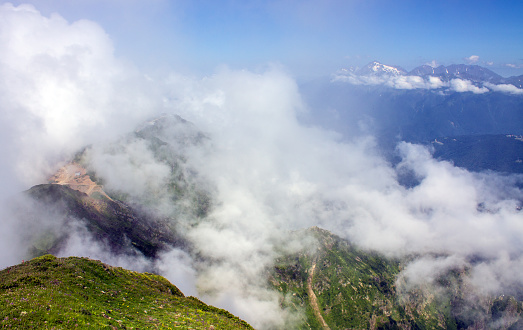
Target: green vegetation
x=354, y=289
x=49, y=292
x=357, y=289
x=333, y=283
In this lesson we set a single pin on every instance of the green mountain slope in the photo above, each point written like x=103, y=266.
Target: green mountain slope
x=50, y=292
x=331, y=284
x=342, y=287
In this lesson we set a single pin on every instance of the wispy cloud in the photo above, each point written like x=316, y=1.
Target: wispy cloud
x=505, y=88
x=461, y=85
x=433, y=63
x=472, y=59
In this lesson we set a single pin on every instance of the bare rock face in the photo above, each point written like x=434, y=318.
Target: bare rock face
x=75, y=177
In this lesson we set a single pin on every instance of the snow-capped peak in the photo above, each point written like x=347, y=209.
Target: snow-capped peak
x=377, y=68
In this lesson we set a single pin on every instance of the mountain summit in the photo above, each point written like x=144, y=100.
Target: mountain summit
x=377, y=69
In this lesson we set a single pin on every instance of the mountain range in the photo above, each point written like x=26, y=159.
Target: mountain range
x=473, y=73
x=337, y=284
x=142, y=201
x=421, y=106
x=327, y=282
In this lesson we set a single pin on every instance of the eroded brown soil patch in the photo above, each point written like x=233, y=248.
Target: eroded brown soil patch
x=76, y=177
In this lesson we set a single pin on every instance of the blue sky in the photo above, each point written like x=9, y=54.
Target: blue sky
x=306, y=37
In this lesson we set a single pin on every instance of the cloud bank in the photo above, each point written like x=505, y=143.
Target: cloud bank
x=505, y=88
x=62, y=88
x=431, y=82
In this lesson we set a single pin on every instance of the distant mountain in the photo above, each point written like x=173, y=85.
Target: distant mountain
x=80, y=293
x=419, y=106
x=462, y=71
x=376, y=68
x=427, y=70
x=474, y=73
x=413, y=115
x=329, y=283
x=516, y=81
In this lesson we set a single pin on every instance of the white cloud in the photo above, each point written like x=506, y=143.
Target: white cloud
x=461, y=85
x=435, y=83
x=130, y=167
x=472, y=59
x=61, y=88
x=430, y=82
x=81, y=243
x=433, y=63
x=505, y=88
x=288, y=176
x=412, y=82
x=427, y=268
x=178, y=267
x=397, y=82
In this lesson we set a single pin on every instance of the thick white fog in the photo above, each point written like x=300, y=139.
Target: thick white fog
x=61, y=89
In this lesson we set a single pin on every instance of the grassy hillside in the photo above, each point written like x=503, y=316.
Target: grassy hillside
x=342, y=287
x=353, y=289
x=49, y=292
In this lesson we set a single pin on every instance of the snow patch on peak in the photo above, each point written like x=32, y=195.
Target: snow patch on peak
x=454, y=78
x=375, y=68
x=378, y=67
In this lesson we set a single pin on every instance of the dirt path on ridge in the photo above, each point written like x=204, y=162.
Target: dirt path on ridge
x=312, y=298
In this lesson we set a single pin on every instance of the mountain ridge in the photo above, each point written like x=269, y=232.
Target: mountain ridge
x=327, y=282
x=378, y=69
x=342, y=286
x=67, y=293
x=473, y=73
